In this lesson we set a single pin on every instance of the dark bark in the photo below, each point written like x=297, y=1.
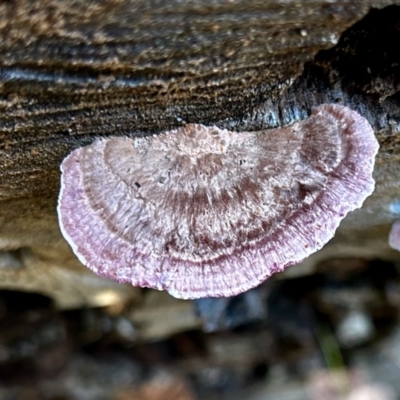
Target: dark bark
x=72, y=71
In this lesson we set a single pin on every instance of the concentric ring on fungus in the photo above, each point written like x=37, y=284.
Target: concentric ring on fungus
x=201, y=211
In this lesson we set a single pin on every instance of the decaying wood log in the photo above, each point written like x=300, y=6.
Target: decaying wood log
x=72, y=71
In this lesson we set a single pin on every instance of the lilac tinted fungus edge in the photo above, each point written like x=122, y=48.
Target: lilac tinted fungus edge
x=306, y=231
x=394, y=235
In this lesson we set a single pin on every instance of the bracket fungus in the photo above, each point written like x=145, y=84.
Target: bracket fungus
x=394, y=235
x=205, y=212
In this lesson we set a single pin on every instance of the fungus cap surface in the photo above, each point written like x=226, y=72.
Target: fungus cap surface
x=205, y=212
x=394, y=235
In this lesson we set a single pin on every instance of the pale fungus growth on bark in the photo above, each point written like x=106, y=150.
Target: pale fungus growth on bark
x=201, y=211
x=394, y=235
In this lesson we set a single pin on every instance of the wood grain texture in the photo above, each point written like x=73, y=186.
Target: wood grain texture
x=71, y=71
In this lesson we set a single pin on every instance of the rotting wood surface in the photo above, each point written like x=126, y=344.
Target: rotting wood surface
x=72, y=71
